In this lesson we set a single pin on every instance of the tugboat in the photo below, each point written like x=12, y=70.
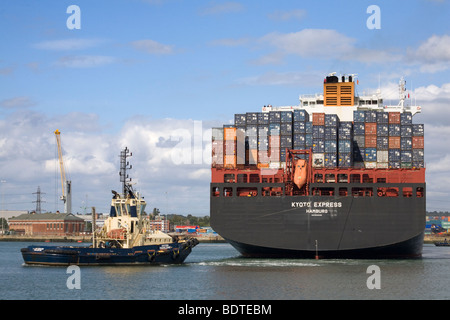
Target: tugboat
x=125, y=239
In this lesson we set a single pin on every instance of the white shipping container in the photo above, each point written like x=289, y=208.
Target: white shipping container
x=318, y=160
x=382, y=156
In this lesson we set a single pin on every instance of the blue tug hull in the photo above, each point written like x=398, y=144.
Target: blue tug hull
x=173, y=253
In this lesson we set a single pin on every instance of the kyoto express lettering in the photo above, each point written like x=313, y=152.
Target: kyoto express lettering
x=318, y=204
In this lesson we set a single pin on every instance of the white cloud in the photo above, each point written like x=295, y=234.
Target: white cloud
x=433, y=55
x=152, y=47
x=17, y=103
x=84, y=61
x=68, y=44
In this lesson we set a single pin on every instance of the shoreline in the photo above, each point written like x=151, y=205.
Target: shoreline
x=84, y=239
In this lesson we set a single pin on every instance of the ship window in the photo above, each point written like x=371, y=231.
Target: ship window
x=342, y=178
x=323, y=191
x=343, y=192
x=387, y=192
x=318, y=178
x=228, y=178
x=227, y=192
x=242, y=178
x=420, y=192
x=362, y=192
x=247, y=192
x=215, y=192
x=355, y=178
x=254, y=178
x=407, y=192
x=330, y=178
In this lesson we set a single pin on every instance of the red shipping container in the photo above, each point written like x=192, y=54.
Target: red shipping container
x=370, y=141
x=418, y=142
x=394, y=142
x=394, y=117
x=318, y=119
x=370, y=129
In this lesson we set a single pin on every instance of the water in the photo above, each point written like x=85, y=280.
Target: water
x=218, y=272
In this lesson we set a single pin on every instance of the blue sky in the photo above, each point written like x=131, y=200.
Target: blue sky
x=139, y=70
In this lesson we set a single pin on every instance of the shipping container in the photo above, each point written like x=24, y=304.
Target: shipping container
x=331, y=120
x=418, y=142
x=394, y=164
x=370, y=116
x=318, y=160
x=263, y=118
x=359, y=128
x=394, y=130
x=251, y=131
x=286, y=116
x=394, y=142
x=286, y=128
x=318, y=119
x=330, y=160
x=318, y=132
x=394, y=117
x=382, y=117
x=285, y=142
x=370, y=164
x=345, y=160
x=370, y=154
x=299, y=127
x=331, y=146
x=406, y=130
x=308, y=127
x=263, y=143
x=252, y=142
x=299, y=139
x=274, y=129
x=418, y=155
x=382, y=156
x=331, y=133
x=345, y=146
x=217, y=134
x=301, y=115
x=370, y=141
x=263, y=130
x=359, y=141
x=274, y=117
x=358, y=154
x=308, y=140
x=359, y=116
x=382, y=130
x=318, y=145
x=405, y=156
x=382, y=143
x=406, y=118
x=394, y=155
x=240, y=119
x=418, y=130
x=405, y=143
x=274, y=142
x=370, y=128
x=252, y=118
x=229, y=133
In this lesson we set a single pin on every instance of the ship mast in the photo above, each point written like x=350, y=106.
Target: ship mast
x=124, y=166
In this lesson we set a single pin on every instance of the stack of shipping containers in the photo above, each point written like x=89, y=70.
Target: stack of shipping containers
x=373, y=139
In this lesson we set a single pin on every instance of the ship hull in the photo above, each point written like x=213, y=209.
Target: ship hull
x=173, y=253
x=324, y=226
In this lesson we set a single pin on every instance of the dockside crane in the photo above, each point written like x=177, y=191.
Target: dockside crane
x=66, y=185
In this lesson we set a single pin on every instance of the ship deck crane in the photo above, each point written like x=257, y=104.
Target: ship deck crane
x=66, y=185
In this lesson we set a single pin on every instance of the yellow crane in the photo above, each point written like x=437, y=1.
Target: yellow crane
x=65, y=184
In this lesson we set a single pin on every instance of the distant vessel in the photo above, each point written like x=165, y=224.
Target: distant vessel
x=338, y=176
x=125, y=239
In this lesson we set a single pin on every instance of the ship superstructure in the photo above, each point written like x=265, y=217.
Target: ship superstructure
x=337, y=175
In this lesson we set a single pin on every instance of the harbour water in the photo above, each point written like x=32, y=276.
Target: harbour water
x=218, y=272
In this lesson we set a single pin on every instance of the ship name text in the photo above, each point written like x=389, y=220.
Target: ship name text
x=316, y=204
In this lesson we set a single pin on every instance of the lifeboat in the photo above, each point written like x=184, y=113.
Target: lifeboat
x=300, y=173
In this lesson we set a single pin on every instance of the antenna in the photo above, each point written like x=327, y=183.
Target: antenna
x=124, y=166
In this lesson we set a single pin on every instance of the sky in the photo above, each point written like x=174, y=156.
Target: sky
x=156, y=75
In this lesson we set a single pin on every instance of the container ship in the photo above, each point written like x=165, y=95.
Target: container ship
x=340, y=175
